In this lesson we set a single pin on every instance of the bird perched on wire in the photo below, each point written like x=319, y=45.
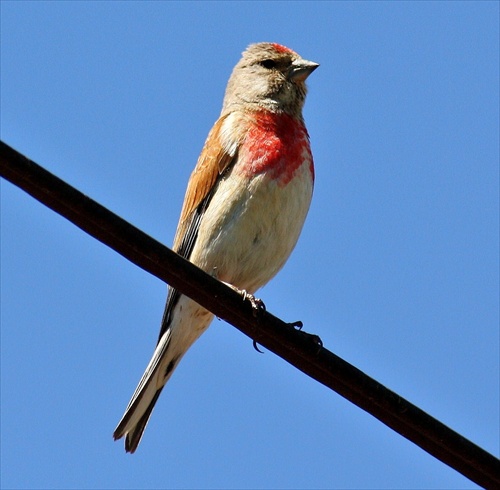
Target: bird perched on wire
x=244, y=208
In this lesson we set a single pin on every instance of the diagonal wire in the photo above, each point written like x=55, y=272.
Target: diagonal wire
x=302, y=350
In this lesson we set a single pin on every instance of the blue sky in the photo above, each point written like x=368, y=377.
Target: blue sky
x=396, y=268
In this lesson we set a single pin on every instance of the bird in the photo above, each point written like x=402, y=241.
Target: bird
x=244, y=208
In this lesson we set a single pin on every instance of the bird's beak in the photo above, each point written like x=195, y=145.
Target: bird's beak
x=301, y=69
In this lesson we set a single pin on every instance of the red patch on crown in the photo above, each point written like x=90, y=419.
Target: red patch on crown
x=282, y=49
x=277, y=144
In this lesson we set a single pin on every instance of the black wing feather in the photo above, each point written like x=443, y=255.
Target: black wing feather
x=185, y=249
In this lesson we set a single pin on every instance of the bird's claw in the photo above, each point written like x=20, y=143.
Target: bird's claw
x=257, y=304
x=256, y=347
x=257, y=307
x=297, y=325
x=315, y=339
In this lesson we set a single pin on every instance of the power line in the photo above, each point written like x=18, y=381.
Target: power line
x=302, y=350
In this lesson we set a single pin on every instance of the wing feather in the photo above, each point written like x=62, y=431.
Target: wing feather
x=215, y=159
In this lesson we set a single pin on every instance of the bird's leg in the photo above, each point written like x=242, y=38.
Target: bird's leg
x=257, y=304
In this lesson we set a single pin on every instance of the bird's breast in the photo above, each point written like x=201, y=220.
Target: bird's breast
x=257, y=212
x=275, y=144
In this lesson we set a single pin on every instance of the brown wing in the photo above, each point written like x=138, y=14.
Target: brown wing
x=212, y=162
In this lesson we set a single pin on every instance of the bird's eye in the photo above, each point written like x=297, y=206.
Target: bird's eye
x=268, y=64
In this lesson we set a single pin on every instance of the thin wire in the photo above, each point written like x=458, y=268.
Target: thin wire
x=302, y=350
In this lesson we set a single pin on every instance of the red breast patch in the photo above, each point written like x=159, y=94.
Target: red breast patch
x=277, y=144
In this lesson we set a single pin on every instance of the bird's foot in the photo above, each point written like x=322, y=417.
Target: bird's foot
x=256, y=347
x=257, y=304
x=296, y=325
x=310, y=337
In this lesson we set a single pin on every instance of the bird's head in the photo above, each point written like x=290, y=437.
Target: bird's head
x=268, y=76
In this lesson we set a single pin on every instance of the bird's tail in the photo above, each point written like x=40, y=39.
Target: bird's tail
x=175, y=340
x=148, y=390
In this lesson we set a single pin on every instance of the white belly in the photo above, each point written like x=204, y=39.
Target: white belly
x=251, y=226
